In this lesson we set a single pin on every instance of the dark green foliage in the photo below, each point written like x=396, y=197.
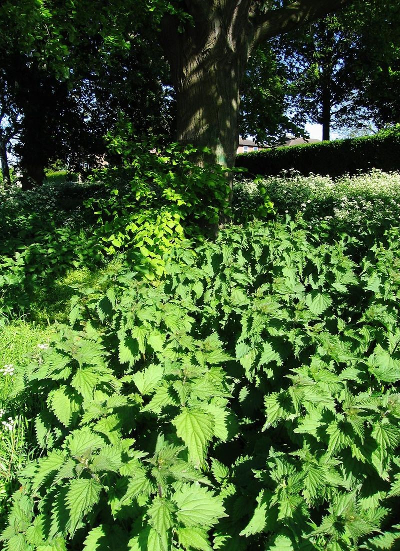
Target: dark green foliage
x=141, y=210
x=333, y=158
x=248, y=401
x=45, y=233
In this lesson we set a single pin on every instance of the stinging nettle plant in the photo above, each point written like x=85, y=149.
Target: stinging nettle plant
x=249, y=401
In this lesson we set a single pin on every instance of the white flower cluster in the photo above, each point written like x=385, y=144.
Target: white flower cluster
x=43, y=346
x=8, y=369
x=9, y=424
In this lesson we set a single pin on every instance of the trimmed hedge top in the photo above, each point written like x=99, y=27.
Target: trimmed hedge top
x=333, y=158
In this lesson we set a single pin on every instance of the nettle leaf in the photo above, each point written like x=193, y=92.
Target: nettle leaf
x=48, y=465
x=269, y=355
x=161, y=399
x=257, y=522
x=278, y=406
x=109, y=459
x=139, y=483
x=139, y=333
x=193, y=538
x=157, y=341
x=385, y=541
x=220, y=417
x=128, y=349
x=161, y=514
x=281, y=543
x=198, y=507
x=82, y=495
x=84, y=441
x=386, y=435
x=395, y=486
x=105, y=307
x=148, y=379
x=219, y=470
x=385, y=368
x=85, y=352
x=196, y=428
x=18, y=543
x=85, y=381
x=64, y=404
x=318, y=302
x=43, y=431
x=156, y=542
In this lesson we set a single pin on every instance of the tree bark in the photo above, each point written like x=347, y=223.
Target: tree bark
x=5, y=169
x=208, y=59
x=207, y=66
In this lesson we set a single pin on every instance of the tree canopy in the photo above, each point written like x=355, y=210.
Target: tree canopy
x=72, y=68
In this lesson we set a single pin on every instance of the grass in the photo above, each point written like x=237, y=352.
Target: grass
x=19, y=342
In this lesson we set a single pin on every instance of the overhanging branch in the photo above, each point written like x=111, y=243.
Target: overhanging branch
x=275, y=22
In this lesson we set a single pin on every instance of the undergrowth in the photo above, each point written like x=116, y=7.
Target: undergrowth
x=249, y=401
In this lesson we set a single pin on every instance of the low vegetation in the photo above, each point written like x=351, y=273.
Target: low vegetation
x=236, y=394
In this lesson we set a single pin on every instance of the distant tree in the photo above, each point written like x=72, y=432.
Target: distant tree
x=264, y=102
x=344, y=69
x=8, y=130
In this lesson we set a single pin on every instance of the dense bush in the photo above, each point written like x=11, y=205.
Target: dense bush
x=334, y=158
x=249, y=401
x=140, y=210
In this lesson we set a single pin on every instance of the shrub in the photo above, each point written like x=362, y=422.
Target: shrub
x=157, y=199
x=334, y=158
x=249, y=401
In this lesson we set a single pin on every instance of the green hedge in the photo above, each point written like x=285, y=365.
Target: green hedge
x=329, y=158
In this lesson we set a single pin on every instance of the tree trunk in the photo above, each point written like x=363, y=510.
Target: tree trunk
x=5, y=169
x=207, y=66
x=326, y=111
x=33, y=175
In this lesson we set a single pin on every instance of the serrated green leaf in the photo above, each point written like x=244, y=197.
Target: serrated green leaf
x=109, y=459
x=18, y=543
x=64, y=404
x=156, y=341
x=85, y=381
x=219, y=470
x=104, y=308
x=84, y=441
x=193, y=538
x=148, y=379
x=281, y=543
x=386, y=435
x=82, y=495
x=395, y=487
x=48, y=465
x=318, y=302
x=269, y=355
x=161, y=399
x=257, y=522
x=128, y=349
x=195, y=427
x=197, y=506
x=220, y=418
x=93, y=541
x=155, y=542
x=160, y=514
x=140, y=334
x=106, y=538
